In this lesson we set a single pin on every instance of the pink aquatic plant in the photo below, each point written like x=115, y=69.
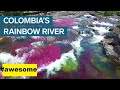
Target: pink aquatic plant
x=23, y=47
x=1, y=77
x=44, y=55
x=85, y=60
x=40, y=75
x=66, y=22
x=23, y=44
x=38, y=38
x=64, y=46
x=22, y=51
x=55, y=77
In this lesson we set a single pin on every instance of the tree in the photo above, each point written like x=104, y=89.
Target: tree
x=13, y=13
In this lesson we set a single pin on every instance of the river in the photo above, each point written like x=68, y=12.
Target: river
x=92, y=61
x=79, y=55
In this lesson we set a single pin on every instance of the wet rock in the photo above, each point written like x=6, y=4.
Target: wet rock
x=111, y=47
x=71, y=14
x=110, y=41
x=115, y=62
x=111, y=35
x=64, y=46
x=50, y=39
x=117, y=30
x=110, y=50
x=113, y=53
x=110, y=29
x=72, y=34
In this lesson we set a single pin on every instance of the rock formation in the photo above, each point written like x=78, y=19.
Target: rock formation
x=111, y=45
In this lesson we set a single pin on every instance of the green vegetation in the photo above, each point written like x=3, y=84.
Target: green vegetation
x=98, y=13
x=71, y=65
x=111, y=13
x=13, y=13
x=21, y=13
x=107, y=13
x=104, y=59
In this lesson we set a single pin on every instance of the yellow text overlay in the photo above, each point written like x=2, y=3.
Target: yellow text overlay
x=19, y=69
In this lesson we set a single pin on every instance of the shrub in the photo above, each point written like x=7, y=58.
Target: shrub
x=13, y=13
x=111, y=13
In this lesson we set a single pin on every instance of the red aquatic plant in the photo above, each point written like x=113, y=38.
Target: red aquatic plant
x=1, y=77
x=55, y=77
x=44, y=55
x=66, y=22
x=85, y=60
x=38, y=38
x=24, y=46
x=40, y=75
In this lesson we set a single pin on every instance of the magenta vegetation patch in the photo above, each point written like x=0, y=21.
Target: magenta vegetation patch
x=44, y=55
x=68, y=22
x=79, y=55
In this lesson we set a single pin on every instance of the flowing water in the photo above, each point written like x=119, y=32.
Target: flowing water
x=92, y=61
x=81, y=54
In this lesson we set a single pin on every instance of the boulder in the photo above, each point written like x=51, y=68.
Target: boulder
x=111, y=47
x=111, y=35
x=111, y=41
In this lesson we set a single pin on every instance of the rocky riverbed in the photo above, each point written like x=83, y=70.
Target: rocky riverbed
x=90, y=50
x=111, y=45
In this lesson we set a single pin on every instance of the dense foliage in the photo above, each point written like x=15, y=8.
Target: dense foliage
x=20, y=13
x=111, y=13
x=12, y=13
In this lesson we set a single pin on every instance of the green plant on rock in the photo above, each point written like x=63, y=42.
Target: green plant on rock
x=104, y=59
x=70, y=65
